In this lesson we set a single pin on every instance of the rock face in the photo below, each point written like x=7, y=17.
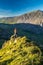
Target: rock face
x=35, y=17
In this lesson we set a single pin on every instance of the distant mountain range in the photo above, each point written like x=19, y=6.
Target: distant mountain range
x=34, y=17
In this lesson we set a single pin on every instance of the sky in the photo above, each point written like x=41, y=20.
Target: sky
x=9, y=8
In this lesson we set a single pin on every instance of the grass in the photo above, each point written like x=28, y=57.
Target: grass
x=20, y=51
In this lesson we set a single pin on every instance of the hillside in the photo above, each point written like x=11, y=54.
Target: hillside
x=33, y=32
x=20, y=51
x=35, y=17
x=29, y=25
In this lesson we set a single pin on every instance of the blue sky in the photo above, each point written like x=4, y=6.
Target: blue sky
x=18, y=7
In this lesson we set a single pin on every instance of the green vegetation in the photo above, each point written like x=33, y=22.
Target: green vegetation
x=20, y=51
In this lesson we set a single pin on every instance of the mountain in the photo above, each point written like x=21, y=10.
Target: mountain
x=20, y=51
x=29, y=25
x=26, y=48
x=34, y=17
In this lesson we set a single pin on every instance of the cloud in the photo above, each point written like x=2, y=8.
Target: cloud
x=6, y=13
x=9, y=13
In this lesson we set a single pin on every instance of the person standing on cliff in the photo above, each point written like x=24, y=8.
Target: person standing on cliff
x=15, y=32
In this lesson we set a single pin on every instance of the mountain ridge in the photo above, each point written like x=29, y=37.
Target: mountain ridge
x=34, y=17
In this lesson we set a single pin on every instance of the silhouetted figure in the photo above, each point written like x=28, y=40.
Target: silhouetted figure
x=15, y=34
